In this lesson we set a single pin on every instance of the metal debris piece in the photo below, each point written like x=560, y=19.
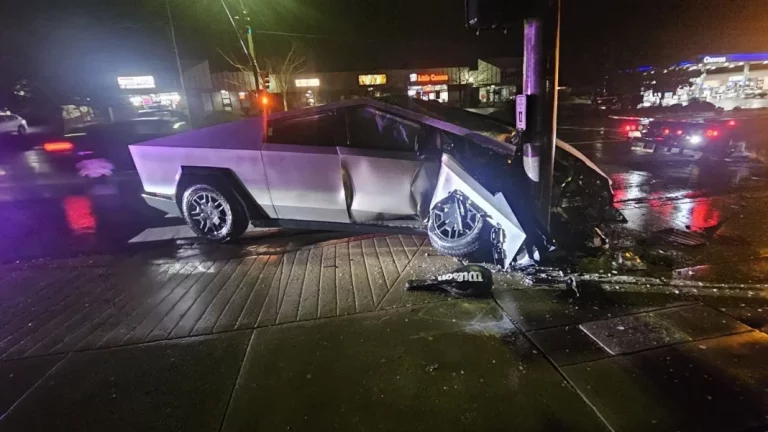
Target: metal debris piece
x=599, y=239
x=570, y=283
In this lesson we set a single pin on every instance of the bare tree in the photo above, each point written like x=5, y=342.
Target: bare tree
x=283, y=70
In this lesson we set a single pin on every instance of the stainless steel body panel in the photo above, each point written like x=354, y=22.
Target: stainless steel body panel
x=386, y=185
x=305, y=182
x=235, y=146
x=452, y=178
x=160, y=168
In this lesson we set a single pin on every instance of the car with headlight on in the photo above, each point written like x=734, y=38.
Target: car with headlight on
x=713, y=137
x=370, y=165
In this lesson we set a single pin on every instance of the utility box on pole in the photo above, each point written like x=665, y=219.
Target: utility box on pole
x=541, y=39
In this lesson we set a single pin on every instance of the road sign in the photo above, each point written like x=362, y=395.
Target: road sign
x=521, y=118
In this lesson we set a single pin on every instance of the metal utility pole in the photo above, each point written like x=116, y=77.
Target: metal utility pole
x=176, y=51
x=248, y=52
x=541, y=60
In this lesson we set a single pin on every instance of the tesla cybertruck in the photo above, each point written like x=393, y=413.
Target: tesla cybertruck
x=389, y=164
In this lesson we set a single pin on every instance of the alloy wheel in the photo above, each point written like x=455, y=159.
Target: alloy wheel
x=210, y=213
x=454, y=218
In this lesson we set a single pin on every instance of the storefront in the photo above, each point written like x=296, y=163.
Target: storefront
x=142, y=93
x=731, y=75
x=429, y=86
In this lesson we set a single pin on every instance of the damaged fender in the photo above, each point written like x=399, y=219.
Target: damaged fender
x=497, y=211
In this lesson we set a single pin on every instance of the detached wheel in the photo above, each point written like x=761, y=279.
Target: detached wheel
x=214, y=213
x=454, y=227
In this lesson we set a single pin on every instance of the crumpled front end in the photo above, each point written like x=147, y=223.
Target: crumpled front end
x=505, y=236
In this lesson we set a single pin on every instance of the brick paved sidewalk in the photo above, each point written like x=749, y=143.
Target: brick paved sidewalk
x=47, y=310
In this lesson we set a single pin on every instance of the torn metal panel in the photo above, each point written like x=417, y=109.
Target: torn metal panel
x=454, y=178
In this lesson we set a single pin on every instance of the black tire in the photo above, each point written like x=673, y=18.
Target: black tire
x=465, y=243
x=22, y=130
x=195, y=209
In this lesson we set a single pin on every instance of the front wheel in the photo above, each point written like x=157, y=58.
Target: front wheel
x=214, y=213
x=22, y=130
x=455, y=226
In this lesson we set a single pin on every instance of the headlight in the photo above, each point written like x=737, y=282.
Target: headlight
x=695, y=139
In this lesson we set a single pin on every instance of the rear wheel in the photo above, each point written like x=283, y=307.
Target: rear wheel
x=455, y=226
x=214, y=212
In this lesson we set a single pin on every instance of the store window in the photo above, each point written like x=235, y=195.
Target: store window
x=226, y=100
x=313, y=130
x=370, y=128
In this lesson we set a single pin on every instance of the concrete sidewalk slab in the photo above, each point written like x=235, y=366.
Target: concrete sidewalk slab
x=659, y=328
x=167, y=386
x=456, y=365
x=18, y=376
x=713, y=385
x=543, y=308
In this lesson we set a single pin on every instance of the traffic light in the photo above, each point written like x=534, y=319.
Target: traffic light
x=264, y=99
x=265, y=80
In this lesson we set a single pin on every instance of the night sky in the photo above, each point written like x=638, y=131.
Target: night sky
x=81, y=45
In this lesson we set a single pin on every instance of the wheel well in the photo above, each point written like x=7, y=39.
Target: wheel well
x=223, y=177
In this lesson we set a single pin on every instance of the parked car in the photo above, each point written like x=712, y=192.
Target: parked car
x=102, y=149
x=714, y=137
x=12, y=124
x=367, y=164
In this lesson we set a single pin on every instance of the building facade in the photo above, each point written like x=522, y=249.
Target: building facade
x=485, y=83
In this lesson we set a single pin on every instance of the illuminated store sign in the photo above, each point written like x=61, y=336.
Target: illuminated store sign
x=309, y=82
x=137, y=82
x=372, y=80
x=429, y=78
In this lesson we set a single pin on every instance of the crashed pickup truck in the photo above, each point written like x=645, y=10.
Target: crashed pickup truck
x=383, y=165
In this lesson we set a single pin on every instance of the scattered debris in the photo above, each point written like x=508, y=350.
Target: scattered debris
x=570, y=284
x=432, y=367
x=629, y=261
x=466, y=281
x=599, y=240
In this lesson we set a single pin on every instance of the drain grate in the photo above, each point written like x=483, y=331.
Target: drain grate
x=680, y=237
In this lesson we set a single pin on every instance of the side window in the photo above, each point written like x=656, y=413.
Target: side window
x=370, y=128
x=311, y=130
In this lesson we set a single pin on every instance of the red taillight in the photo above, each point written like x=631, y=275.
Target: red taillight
x=679, y=132
x=665, y=131
x=732, y=123
x=627, y=128
x=58, y=147
x=712, y=133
